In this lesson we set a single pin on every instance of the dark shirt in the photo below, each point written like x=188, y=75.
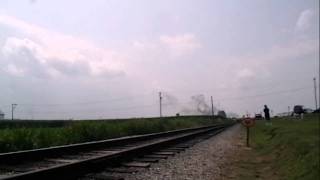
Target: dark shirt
x=266, y=113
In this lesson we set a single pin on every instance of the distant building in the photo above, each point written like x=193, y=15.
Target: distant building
x=1, y=115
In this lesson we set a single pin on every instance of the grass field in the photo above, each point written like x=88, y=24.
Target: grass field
x=292, y=144
x=22, y=135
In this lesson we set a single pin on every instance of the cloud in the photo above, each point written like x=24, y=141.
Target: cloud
x=14, y=70
x=292, y=50
x=59, y=52
x=257, y=68
x=173, y=46
x=304, y=20
x=245, y=73
x=21, y=58
x=167, y=62
x=180, y=44
x=13, y=44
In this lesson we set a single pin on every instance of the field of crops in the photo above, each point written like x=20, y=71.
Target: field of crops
x=25, y=134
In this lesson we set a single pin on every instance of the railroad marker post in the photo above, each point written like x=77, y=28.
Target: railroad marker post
x=248, y=123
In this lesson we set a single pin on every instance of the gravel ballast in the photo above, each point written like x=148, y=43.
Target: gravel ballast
x=205, y=160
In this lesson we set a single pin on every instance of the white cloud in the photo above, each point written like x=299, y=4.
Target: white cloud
x=166, y=62
x=50, y=47
x=258, y=67
x=166, y=47
x=245, y=73
x=304, y=20
x=14, y=70
x=139, y=45
x=292, y=50
x=180, y=44
x=13, y=45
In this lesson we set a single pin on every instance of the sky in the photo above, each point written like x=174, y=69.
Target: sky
x=111, y=58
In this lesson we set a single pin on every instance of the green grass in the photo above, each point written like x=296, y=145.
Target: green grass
x=22, y=135
x=293, y=144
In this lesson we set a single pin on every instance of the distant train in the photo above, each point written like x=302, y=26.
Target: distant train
x=222, y=114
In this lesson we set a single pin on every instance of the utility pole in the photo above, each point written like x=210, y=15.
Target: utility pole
x=13, y=106
x=319, y=82
x=315, y=92
x=212, y=113
x=288, y=110
x=160, y=98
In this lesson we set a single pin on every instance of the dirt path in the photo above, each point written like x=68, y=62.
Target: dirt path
x=246, y=164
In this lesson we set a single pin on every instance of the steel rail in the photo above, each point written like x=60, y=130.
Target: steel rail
x=96, y=163
x=26, y=155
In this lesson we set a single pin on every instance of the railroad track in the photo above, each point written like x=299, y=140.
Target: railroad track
x=76, y=161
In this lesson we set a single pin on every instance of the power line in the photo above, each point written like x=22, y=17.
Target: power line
x=103, y=109
x=180, y=103
x=265, y=94
x=125, y=98
x=252, y=96
x=260, y=86
x=86, y=102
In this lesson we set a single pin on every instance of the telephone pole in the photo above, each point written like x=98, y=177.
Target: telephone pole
x=160, y=98
x=212, y=113
x=13, y=106
x=319, y=81
x=315, y=92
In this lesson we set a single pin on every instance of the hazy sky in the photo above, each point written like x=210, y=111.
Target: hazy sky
x=105, y=58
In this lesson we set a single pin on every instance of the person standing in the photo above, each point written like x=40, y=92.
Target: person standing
x=267, y=114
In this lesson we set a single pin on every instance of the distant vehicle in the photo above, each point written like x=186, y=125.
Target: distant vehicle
x=284, y=114
x=298, y=109
x=258, y=116
x=308, y=110
x=1, y=115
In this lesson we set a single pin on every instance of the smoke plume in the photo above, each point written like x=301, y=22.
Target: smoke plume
x=198, y=106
